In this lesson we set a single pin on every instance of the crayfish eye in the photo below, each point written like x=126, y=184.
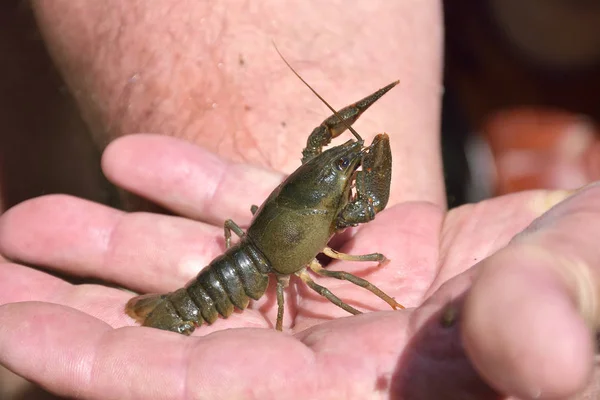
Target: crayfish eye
x=342, y=163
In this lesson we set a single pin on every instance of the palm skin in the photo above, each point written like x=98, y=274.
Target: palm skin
x=76, y=340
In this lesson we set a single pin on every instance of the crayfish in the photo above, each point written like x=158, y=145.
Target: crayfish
x=325, y=195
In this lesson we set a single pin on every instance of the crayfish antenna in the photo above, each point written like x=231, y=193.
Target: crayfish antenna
x=346, y=124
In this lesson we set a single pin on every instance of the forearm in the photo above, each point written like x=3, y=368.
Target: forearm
x=208, y=72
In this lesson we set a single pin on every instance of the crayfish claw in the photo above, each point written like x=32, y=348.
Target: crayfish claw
x=333, y=126
x=372, y=185
x=376, y=178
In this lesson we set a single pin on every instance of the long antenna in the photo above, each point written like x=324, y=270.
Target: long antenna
x=343, y=121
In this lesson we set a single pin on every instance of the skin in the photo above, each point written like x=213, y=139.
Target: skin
x=514, y=277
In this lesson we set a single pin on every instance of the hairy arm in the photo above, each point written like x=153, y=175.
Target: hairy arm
x=208, y=72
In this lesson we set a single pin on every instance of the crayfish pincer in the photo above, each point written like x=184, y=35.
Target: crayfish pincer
x=333, y=189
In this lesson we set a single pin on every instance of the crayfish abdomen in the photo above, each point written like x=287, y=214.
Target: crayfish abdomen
x=230, y=280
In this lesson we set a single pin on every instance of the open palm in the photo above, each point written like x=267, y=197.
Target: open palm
x=76, y=340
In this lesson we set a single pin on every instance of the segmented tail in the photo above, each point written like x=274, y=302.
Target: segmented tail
x=157, y=311
x=230, y=281
x=139, y=307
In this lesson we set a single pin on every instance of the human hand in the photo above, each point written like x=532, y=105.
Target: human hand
x=117, y=84
x=75, y=340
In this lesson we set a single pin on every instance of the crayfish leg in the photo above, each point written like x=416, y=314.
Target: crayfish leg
x=363, y=283
x=329, y=252
x=229, y=226
x=282, y=282
x=323, y=291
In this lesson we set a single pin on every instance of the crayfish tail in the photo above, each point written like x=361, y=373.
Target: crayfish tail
x=158, y=311
x=139, y=307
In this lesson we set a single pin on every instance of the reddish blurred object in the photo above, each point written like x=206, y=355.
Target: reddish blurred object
x=542, y=148
x=524, y=74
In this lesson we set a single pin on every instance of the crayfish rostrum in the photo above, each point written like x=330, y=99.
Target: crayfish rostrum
x=332, y=190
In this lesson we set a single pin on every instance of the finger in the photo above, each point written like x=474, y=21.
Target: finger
x=75, y=355
x=486, y=227
x=186, y=178
x=141, y=251
x=532, y=312
x=20, y=283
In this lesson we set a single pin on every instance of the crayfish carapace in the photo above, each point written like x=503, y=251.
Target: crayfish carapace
x=325, y=195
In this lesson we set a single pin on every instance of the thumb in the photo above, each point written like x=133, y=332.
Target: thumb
x=531, y=315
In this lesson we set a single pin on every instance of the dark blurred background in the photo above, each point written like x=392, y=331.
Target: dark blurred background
x=521, y=103
x=520, y=109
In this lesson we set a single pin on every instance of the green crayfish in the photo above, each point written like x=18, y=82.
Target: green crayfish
x=332, y=190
